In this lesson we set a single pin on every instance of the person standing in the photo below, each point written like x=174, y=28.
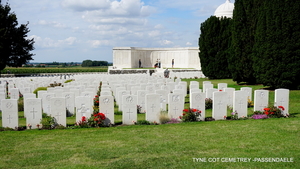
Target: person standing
x=159, y=63
x=172, y=63
x=140, y=63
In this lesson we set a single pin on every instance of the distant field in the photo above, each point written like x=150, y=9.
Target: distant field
x=54, y=70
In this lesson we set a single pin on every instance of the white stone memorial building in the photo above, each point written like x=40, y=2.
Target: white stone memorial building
x=128, y=57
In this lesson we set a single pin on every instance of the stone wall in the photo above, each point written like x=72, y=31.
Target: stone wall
x=128, y=57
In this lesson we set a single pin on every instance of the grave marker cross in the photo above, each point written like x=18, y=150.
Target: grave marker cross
x=33, y=113
x=153, y=106
x=241, y=103
x=9, y=118
x=129, y=112
x=220, y=104
x=57, y=115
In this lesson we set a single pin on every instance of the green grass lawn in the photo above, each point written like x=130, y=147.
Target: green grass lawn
x=159, y=146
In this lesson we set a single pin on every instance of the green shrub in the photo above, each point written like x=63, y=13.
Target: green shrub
x=142, y=122
x=48, y=122
x=164, y=118
x=38, y=89
x=68, y=81
x=21, y=104
x=208, y=103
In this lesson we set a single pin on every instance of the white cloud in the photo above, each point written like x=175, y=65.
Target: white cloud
x=104, y=8
x=52, y=24
x=159, y=26
x=165, y=42
x=154, y=33
x=51, y=43
x=98, y=43
x=189, y=44
x=83, y=5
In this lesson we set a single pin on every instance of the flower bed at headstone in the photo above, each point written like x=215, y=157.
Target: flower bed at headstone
x=190, y=115
x=270, y=112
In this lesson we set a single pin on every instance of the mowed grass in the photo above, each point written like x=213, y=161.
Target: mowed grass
x=155, y=146
x=159, y=146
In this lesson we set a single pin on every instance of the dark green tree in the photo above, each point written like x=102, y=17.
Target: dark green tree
x=15, y=47
x=214, y=44
x=244, y=25
x=87, y=63
x=277, y=49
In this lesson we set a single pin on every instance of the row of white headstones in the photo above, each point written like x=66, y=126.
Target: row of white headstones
x=152, y=94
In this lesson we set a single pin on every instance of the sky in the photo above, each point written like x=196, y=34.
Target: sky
x=77, y=30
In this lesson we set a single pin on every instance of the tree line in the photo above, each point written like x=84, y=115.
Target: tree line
x=90, y=63
x=260, y=44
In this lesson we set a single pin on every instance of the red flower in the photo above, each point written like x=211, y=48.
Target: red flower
x=83, y=118
x=95, y=119
x=194, y=110
x=97, y=101
x=180, y=117
x=220, y=90
x=224, y=117
x=281, y=107
x=185, y=110
x=102, y=116
x=183, y=114
x=272, y=112
x=96, y=96
x=267, y=109
x=267, y=113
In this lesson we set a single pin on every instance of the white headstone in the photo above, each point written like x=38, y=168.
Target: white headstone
x=222, y=86
x=40, y=93
x=2, y=96
x=107, y=107
x=230, y=92
x=58, y=92
x=14, y=93
x=129, y=109
x=10, y=113
x=282, y=99
x=120, y=96
x=240, y=103
x=33, y=111
x=58, y=110
x=207, y=85
x=25, y=97
x=163, y=99
x=197, y=101
x=261, y=99
x=83, y=107
x=176, y=105
x=150, y=89
x=141, y=99
x=46, y=102
x=209, y=92
x=220, y=100
x=152, y=107
x=29, y=95
x=70, y=101
x=248, y=91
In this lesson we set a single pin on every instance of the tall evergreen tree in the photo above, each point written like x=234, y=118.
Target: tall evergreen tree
x=214, y=43
x=15, y=47
x=277, y=49
x=244, y=25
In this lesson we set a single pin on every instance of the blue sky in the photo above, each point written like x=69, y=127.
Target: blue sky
x=77, y=30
